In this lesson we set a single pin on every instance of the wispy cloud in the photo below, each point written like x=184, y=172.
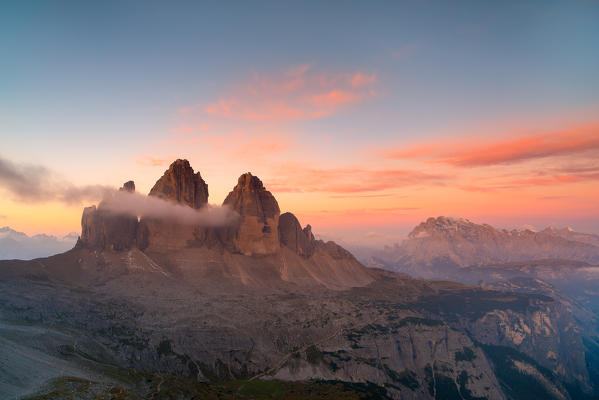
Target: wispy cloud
x=552, y=197
x=558, y=179
x=135, y=204
x=511, y=149
x=300, y=93
x=349, y=180
x=36, y=184
x=153, y=161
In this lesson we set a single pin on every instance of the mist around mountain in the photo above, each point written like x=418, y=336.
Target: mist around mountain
x=253, y=306
x=17, y=245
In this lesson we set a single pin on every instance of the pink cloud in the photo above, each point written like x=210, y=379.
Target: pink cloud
x=349, y=180
x=558, y=179
x=333, y=99
x=360, y=80
x=299, y=93
x=511, y=149
x=152, y=161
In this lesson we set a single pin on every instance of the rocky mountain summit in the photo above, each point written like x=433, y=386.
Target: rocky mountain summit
x=149, y=306
x=257, y=231
x=180, y=184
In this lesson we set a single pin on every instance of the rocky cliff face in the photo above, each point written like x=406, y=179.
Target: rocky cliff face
x=181, y=185
x=104, y=229
x=294, y=237
x=257, y=231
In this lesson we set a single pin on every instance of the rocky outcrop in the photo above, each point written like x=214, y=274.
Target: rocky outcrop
x=257, y=230
x=102, y=228
x=294, y=237
x=128, y=186
x=180, y=184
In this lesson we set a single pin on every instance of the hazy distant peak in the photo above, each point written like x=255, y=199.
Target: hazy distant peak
x=553, y=229
x=458, y=242
x=440, y=226
x=71, y=236
x=14, y=244
x=570, y=234
x=9, y=232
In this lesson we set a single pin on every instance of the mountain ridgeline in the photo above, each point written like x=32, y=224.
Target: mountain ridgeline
x=148, y=306
x=441, y=246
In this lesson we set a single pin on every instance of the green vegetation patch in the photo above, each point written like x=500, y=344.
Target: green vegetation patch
x=406, y=377
x=313, y=355
x=464, y=391
x=445, y=388
x=418, y=321
x=466, y=354
x=475, y=303
x=516, y=384
x=167, y=387
x=75, y=388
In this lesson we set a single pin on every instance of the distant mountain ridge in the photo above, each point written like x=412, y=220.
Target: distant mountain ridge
x=445, y=243
x=18, y=245
x=570, y=234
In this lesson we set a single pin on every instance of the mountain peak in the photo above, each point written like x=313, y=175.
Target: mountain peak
x=257, y=231
x=440, y=225
x=250, y=181
x=181, y=184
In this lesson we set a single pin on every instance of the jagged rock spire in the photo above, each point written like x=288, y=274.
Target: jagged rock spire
x=257, y=231
x=179, y=183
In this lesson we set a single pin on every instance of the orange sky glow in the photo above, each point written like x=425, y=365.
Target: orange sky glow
x=506, y=176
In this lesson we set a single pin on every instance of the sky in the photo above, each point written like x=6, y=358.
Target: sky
x=362, y=118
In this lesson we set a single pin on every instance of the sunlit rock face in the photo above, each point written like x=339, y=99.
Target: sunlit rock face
x=104, y=229
x=257, y=231
x=179, y=184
